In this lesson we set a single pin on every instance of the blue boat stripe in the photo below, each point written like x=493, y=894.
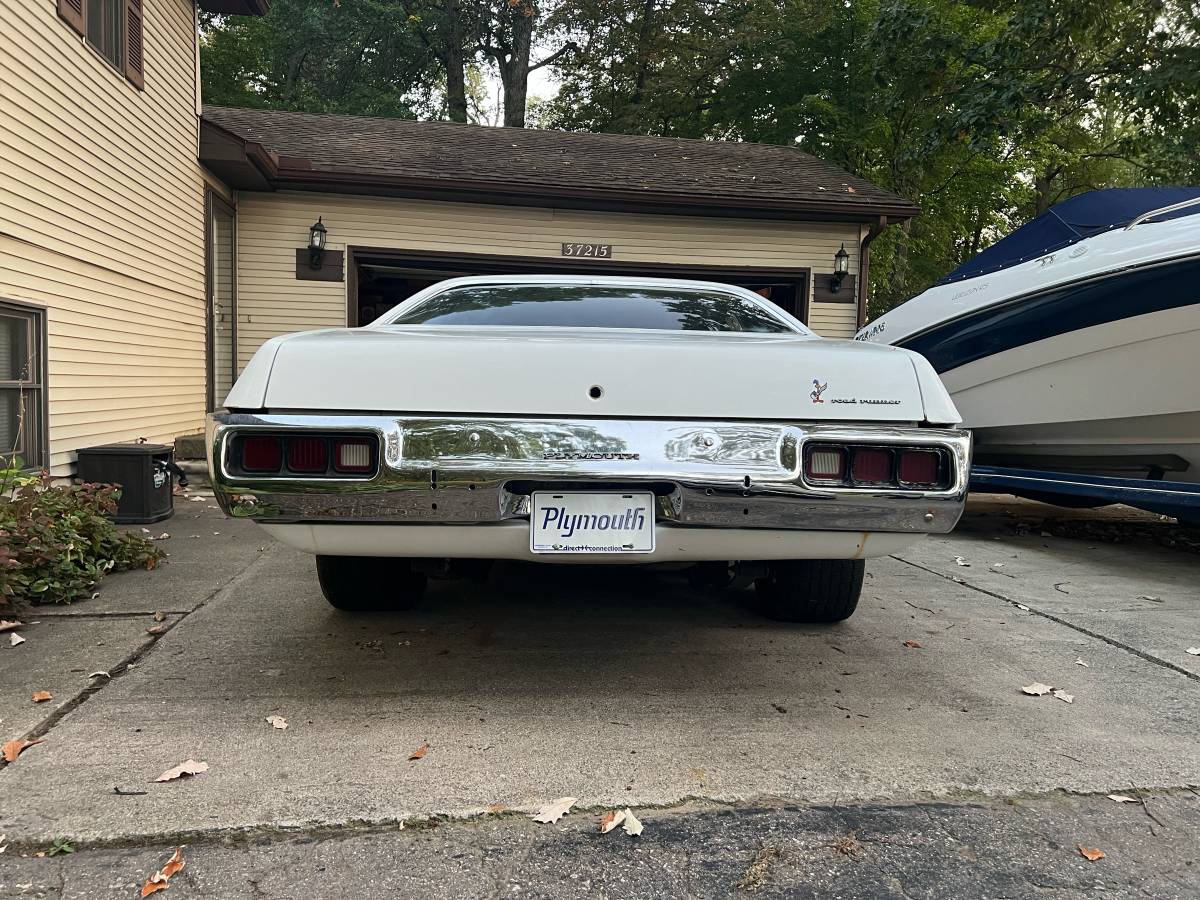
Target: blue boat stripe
x=1072, y=307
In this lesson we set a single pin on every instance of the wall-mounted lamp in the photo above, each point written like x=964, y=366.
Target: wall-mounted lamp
x=841, y=266
x=316, y=243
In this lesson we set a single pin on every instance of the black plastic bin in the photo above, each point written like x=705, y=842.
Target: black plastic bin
x=143, y=472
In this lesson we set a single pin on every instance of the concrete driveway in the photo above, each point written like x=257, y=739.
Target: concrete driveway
x=728, y=734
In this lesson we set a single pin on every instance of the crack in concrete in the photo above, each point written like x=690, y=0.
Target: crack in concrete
x=245, y=835
x=1120, y=645
x=122, y=667
x=117, y=614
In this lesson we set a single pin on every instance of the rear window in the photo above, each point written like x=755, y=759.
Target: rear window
x=586, y=306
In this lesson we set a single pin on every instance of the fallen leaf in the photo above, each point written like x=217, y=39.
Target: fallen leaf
x=1123, y=798
x=16, y=747
x=1037, y=689
x=158, y=881
x=14, y=639
x=631, y=826
x=912, y=644
x=554, y=810
x=420, y=752
x=160, y=616
x=962, y=562
x=495, y=808
x=157, y=629
x=611, y=820
x=1091, y=853
x=1195, y=651
x=9, y=624
x=187, y=767
x=1080, y=662
x=42, y=696
x=277, y=722
x=1063, y=695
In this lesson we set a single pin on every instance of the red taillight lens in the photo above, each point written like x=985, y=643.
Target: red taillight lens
x=919, y=467
x=872, y=466
x=827, y=463
x=352, y=456
x=261, y=453
x=307, y=454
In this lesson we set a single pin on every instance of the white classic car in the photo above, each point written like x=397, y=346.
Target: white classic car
x=585, y=420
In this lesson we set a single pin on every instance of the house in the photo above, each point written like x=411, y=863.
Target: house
x=148, y=246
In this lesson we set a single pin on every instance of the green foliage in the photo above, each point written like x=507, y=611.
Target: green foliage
x=56, y=541
x=60, y=845
x=360, y=57
x=985, y=114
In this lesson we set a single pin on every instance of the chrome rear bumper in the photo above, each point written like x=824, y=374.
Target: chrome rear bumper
x=460, y=471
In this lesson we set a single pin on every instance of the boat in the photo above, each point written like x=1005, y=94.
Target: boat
x=1071, y=347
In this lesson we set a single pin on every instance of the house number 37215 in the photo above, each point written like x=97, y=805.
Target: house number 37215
x=595, y=251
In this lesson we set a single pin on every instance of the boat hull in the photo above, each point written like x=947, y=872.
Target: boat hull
x=1121, y=398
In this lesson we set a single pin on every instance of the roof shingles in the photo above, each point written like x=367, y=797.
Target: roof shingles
x=721, y=173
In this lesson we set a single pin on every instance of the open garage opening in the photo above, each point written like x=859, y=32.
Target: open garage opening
x=381, y=278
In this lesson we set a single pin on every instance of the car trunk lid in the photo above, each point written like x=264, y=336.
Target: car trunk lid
x=589, y=372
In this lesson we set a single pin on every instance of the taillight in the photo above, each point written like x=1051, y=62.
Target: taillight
x=919, y=466
x=307, y=454
x=865, y=466
x=871, y=465
x=827, y=463
x=303, y=454
x=261, y=453
x=352, y=456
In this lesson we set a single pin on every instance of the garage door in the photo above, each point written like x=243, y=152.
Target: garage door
x=379, y=279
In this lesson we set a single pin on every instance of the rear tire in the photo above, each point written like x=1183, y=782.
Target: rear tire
x=369, y=583
x=810, y=590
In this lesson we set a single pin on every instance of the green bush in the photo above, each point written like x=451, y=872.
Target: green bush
x=56, y=541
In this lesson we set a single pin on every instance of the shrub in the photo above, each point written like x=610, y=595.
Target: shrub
x=56, y=541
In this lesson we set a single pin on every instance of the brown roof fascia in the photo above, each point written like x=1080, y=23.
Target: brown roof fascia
x=236, y=7
x=298, y=174
x=241, y=164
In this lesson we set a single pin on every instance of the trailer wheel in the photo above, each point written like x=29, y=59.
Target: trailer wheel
x=810, y=590
x=369, y=583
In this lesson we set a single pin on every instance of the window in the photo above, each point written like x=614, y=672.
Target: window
x=113, y=28
x=103, y=21
x=23, y=385
x=590, y=306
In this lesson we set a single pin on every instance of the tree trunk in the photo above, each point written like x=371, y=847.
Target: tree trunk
x=454, y=60
x=514, y=67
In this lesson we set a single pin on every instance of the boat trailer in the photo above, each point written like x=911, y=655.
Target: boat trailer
x=1168, y=498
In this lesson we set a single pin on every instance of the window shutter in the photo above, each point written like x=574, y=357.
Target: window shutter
x=71, y=12
x=134, y=63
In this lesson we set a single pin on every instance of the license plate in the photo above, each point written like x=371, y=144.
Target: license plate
x=591, y=523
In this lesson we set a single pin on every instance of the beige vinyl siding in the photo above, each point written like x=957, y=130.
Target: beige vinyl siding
x=271, y=226
x=125, y=359
x=838, y=320
x=102, y=222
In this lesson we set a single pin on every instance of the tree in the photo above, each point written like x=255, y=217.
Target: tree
x=507, y=40
x=311, y=55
